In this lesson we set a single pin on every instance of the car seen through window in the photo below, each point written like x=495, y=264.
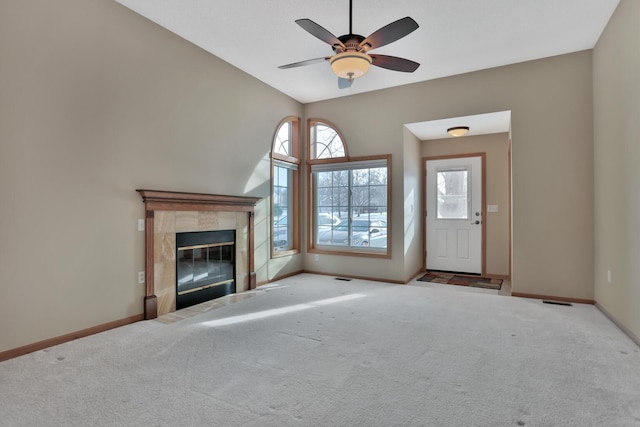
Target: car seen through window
x=368, y=233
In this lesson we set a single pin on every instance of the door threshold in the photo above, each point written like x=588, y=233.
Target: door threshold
x=457, y=273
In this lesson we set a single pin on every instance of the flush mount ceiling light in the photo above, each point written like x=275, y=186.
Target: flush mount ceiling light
x=350, y=65
x=458, y=131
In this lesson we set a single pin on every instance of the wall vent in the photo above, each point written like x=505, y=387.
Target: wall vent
x=568, y=304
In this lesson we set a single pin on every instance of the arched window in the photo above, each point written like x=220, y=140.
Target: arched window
x=349, y=196
x=325, y=141
x=285, y=182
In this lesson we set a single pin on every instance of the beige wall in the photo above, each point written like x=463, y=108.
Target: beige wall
x=413, y=251
x=496, y=148
x=616, y=63
x=551, y=105
x=95, y=102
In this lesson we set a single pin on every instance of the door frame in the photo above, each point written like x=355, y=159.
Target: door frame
x=423, y=219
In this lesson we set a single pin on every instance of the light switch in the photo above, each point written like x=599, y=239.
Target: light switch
x=141, y=225
x=492, y=208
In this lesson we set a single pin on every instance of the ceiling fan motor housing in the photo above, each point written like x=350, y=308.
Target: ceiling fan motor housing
x=351, y=42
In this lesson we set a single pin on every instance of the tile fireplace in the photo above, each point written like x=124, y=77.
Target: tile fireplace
x=170, y=215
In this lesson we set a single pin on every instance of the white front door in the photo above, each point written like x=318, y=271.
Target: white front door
x=454, y=215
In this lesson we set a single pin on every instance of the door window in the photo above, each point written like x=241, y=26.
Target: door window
x=453, y=193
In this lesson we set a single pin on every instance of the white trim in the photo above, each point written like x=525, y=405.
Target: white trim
x=361, y=164
x=285, y=165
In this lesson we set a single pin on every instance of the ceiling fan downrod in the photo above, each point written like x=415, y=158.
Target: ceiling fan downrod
x=350, y=17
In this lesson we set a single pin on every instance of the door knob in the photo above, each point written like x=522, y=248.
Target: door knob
x=476, y=222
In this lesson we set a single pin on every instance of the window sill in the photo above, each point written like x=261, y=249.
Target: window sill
x=280, y=254
x=366, y=253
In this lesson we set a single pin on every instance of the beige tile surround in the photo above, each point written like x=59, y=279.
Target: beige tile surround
x=171, y=212
x=168, y=223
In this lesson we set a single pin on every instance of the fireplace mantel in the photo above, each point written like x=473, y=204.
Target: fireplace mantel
x=200, y=205
x=176, y=201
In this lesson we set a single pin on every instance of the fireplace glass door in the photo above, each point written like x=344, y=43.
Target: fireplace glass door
x=204, y=270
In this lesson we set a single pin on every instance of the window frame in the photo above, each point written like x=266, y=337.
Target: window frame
x=372, y=252
x=293, y=211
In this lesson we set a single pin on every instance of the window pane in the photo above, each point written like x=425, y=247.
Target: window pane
x=331, y=207
x=379, y=176
x=285, y=187
x=282, y=201
x=358, y=198
x=282, y=144
x=325, y=142
x=452, y=194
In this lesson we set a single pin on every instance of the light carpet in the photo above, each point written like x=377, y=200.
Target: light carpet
x=314, y=351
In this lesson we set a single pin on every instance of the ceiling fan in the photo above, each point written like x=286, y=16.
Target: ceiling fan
x=351, y=59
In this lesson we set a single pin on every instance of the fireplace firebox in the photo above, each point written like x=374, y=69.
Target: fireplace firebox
x=205, y=266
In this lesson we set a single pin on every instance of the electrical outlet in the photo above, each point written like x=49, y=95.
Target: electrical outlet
x=141, y=277
x=141, y=225
x=608, y=276
x=317, y=257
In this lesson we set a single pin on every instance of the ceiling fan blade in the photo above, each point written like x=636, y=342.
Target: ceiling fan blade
x=320, y=32
x=390, y=33
x=303, y=63
x=394, y=63
x=344, y=83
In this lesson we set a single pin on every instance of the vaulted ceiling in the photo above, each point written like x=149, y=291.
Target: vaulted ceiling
x=454, y=37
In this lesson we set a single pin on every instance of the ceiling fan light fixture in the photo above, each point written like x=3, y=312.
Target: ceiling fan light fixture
x=458, y=131
x=350, y=65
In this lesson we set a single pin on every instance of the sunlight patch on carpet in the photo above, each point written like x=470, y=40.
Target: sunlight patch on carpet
x=278, y=311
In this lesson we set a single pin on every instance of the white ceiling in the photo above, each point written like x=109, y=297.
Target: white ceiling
x=479, y=124
x=455, y=36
